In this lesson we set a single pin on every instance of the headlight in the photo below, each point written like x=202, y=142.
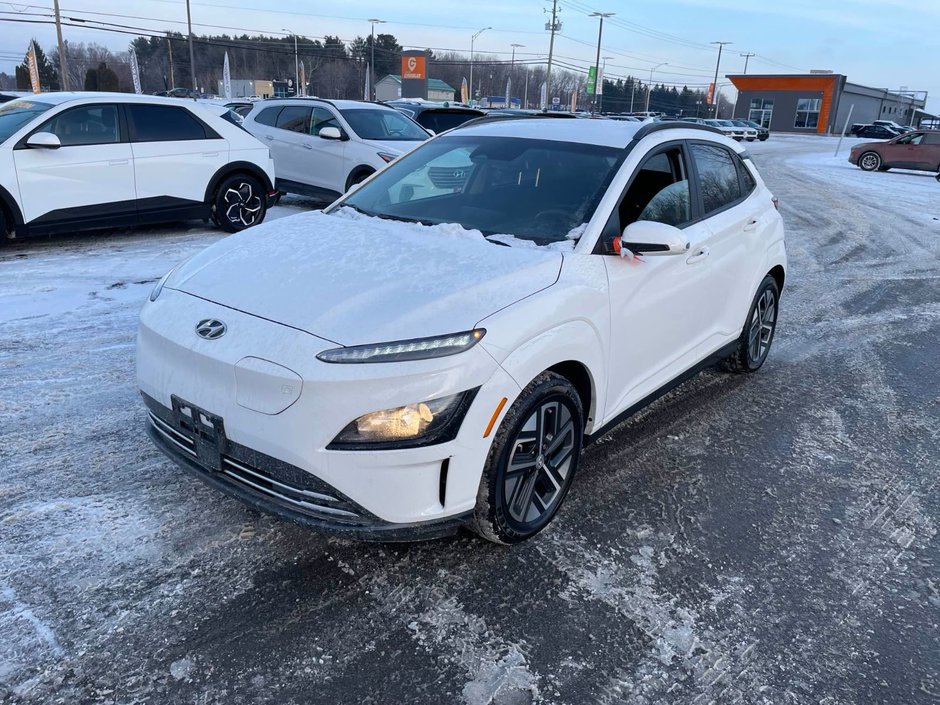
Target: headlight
x=403, y=350
x=424, y=423
x=159, y=287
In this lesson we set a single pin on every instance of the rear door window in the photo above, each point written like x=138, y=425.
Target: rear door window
x=165, y=123
x=718, y=177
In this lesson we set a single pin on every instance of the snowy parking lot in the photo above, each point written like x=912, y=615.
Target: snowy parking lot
x=770, y=539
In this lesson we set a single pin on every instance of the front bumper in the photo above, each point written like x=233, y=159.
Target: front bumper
x=275, y=487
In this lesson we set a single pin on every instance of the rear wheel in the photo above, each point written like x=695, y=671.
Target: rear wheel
x=238, y=203
x=4, y=232
x=870, y=161
x=758, y=334
x=532, y=461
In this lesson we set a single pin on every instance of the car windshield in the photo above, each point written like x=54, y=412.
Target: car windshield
x=386, y=125
x=15, y=114
x=537, y=190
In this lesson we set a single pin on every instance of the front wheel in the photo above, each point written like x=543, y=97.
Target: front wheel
x=238, y=203
x=870, y=161
x=532, y=461
x=758, y=334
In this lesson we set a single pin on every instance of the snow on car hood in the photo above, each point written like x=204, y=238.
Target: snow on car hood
x=353, y=279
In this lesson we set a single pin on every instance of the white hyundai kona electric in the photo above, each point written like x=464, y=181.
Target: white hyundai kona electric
x=435, y=349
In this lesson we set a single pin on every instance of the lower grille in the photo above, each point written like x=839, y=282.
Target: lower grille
x=263, y=476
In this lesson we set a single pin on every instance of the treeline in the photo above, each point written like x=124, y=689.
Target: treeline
x=333, y=68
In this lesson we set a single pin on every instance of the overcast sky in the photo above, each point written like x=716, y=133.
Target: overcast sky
x=882, y=43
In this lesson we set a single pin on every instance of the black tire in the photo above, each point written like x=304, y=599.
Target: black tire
x=869, y=161
x=358, y=178
x=539, y=484
x=239, y=203
x=750, y=354
x=4, y=232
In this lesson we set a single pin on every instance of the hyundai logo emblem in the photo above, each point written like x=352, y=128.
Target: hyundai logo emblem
x=210, y=329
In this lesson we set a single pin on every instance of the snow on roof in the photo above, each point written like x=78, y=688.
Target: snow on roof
x=59, y=97
x=609, y=133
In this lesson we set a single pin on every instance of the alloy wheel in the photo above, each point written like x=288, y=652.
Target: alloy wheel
x=540, y=463
x=242, y=204
x=870, y=161
x=762, y=327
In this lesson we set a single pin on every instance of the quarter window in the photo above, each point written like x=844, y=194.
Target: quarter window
x=807, y=113
x=90, y=124
x=164, y=123
x=268, y=116
x=295, y=118
x=718, y=177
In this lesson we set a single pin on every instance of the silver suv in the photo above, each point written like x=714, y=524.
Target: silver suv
x=323, y=147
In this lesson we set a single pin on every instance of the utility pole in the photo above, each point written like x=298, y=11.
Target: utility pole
x=472, y=40
x=63, y=62
x=373, y=22
x=296, y=62
x=551, y=48
x=747, y=57
x=192, y=57
x=512, y=66
x=600, y=98
x=169, y=48
x=650, y=88
x=597, y=59
x=721, y=45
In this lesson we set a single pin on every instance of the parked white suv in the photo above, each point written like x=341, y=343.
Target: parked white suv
x=322, y=147
x=411, y=361
x=73, y=161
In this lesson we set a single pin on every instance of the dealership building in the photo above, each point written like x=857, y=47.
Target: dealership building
x=820, y=101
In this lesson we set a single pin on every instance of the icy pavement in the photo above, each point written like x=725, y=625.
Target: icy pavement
x=762, y=540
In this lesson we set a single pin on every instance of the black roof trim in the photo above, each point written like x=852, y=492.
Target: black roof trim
x=649, y=129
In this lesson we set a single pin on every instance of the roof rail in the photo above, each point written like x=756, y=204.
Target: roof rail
x=672, y=125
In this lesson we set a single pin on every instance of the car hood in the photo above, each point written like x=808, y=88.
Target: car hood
x=353, y=279
x=868, y=145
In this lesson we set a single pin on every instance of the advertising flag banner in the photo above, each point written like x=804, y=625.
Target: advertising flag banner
x=135, y=71
x=574, y=101
x=592, y=79
x=464, y=92
x=710, y=98
x=543, y=97
x=599, y=88
x=226, y=79
x=509, y=92
x=33, y=67
x=367, y=91
x=303, y=80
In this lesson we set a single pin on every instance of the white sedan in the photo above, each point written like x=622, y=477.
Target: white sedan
x=414, y=360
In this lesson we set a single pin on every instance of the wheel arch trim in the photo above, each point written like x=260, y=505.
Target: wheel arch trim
x=236, y=168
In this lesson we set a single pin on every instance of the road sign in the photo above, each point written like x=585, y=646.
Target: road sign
x=556, y=101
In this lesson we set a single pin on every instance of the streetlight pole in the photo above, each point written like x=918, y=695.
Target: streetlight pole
x=597, y=60
x=373, y=22
x=721, y=45
x=650, y=87
x=192, y=59
x=472, y=40
x=296, y=63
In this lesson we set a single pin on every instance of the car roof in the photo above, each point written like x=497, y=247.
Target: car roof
x=339, y=104
x=606, y=133
x=59, y=97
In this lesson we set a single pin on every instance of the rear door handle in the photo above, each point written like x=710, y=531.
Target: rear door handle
x=119, y=162
x=700, y=254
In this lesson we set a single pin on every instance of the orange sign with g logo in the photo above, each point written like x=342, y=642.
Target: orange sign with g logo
x=413, y=67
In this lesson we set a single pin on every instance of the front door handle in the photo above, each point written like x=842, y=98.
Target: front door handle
x=752, y=224
x=269, y=137
x=210, y=154
x=119, y=162
x=700, y=254
x=307, y=145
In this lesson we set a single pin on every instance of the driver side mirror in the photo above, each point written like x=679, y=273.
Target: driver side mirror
x=647, y=237
x=43, y=140
x=331, y=133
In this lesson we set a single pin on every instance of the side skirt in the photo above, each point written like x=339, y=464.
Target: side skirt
x=720, y=354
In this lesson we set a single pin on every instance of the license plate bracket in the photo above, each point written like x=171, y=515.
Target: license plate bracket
x=207, y=431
